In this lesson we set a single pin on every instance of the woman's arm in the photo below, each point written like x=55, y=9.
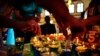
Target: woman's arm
x=60, y=11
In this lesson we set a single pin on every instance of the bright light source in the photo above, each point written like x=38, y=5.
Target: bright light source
x=71, y=8
x=80, y=7
x=46, y=13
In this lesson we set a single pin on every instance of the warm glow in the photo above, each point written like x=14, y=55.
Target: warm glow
x=35, y=39
x=69, y=2
x=47, y=13
x=19, y=39
x=48, y=39
x=51, y=21
x=93, y=46
x=68, y=30
x=70, y=6
x=77, y=39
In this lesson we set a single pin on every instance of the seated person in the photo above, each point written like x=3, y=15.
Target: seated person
x=48, y=28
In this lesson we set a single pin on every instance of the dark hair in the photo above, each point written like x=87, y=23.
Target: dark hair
x=47, y=19
x=19, y=3
x=94, y=3
x=22, y=2
x=7, y=2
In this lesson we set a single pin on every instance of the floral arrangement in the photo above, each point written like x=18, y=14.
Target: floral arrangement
x=48, y=41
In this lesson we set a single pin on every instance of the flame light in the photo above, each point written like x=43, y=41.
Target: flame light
x=77, y=39
x=69, y=2
x=68, y=30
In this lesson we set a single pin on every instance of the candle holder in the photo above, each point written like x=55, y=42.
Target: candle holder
x=19, y=46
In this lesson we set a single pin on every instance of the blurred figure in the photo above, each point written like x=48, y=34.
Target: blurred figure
x=62, y=16
x=48, y=28
x=27, y=10
x=58, y=9
x=92, y=10
x=24, y=11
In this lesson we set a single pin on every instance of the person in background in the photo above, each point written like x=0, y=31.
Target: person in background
x=59, y=11
x=48, y=28
x=92, y=10
x=61, y=14
x=8, y=7
x=63, y=18
x=27, y=10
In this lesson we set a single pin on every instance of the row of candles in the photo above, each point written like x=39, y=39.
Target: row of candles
x=59, y=37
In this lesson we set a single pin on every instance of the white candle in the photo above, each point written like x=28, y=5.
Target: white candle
x=48, y=38
x=77, y=39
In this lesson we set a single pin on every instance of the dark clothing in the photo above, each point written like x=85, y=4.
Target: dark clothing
x=65, y=53
x=28, y=9
x=27, y=36
x=48, y=29
x=73, y=50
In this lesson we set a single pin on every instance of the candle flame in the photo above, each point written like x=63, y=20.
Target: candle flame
x=68, y=30
x=69, y=2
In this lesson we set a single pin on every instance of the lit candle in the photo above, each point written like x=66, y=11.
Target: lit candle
x=68, y=30
x=77, y=39
x=19, y=39
x=93, y=46
x=56, y=36
x=48, y=39
x=53, y=42
x=83, y=45
x=35, y=39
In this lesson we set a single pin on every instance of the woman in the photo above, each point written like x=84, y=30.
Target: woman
x=6, y=9
x=60, y=11
x=27, y=10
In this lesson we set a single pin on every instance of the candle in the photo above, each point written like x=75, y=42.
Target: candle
x=48, y=38
x=68, y=30
x=19, y=39
x=77, y=39
x=93, y=46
